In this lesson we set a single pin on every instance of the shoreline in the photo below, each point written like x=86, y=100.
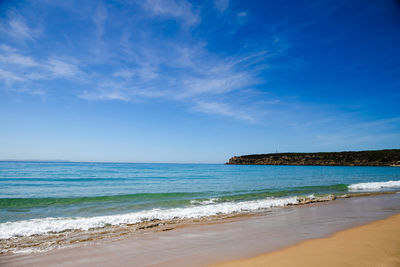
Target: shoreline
x=208, y=243
x=41, y=243
x=373, y=244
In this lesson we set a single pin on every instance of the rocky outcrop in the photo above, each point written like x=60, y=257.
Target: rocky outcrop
x=387, y=157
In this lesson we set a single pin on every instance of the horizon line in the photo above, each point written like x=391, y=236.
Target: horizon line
x=125, y=162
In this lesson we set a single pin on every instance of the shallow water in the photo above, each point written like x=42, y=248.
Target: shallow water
x=203, y=244
x=41, y=197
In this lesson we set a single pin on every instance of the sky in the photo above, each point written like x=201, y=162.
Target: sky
x=196, y=82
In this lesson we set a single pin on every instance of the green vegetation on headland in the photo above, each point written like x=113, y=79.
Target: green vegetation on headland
x=387, y=157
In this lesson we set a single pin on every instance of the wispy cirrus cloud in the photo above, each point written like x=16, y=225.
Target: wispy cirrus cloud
x=195, y=77
x=99, y=18
x=143, y=72
x=223, y=109
x=179, y=67
x=203, y=65
x=16, y=26
x=62, y=68
x=221, y=5
x=18, y=70
x=10, y=77
x=13, y=58
x=177, y=9
x=104, y=92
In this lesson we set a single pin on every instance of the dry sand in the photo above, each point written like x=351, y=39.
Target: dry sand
x=374, y=244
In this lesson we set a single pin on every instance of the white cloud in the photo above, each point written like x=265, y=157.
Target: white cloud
x=61, y=68
x=142, y=63
x=179, y=9
x=183, y=73
x=147, y=73
x=19, y=29
x=219, y=84
x=222, y=109
x=18, y=68
x=99, y=18
x=125, y=73
x=144, y=73
x=221, y=5
x=6, y=48
x=105, y=95
x=16, y=26
x=199, y=74
x=38, y=92
x=17, y=59
x=10, y=77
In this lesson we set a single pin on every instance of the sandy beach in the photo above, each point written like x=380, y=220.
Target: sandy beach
x=374, y=244
x=239, y=241
x=183, y=133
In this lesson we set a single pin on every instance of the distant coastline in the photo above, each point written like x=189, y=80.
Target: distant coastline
x=387, y=157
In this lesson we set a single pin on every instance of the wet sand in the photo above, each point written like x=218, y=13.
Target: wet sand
x=374, y=244
x=210, y=243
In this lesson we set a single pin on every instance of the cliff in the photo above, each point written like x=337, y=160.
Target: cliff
x=387, y=157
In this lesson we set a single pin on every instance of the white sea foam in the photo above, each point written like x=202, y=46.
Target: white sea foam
x=374, y=186
x=204, y=202
x=46, y=225
x=18, y=250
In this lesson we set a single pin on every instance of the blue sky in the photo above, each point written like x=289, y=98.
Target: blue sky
x=180, y=81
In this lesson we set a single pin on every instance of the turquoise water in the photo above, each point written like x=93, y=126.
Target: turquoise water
x=43, y=198
x=31, y=190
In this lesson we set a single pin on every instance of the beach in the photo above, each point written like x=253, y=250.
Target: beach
x=199, y=133
x=245, y=237
x=374, y=244
x=76, y=213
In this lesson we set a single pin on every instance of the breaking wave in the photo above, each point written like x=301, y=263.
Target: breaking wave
x=374, y=186
x=47, y=225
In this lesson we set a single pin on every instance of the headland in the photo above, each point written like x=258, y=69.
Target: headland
x=387, y=157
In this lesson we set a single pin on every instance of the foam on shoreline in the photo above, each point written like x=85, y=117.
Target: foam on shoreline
x=23, y=236
x=51, y=225
x=204, y=242
x=374, y=186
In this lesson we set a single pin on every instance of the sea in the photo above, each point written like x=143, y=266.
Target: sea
x=54, y=198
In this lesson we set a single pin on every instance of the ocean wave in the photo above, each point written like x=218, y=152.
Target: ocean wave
x=204, y=202
x=373, y=186
x=47, y=225
x=48, y=201
x=170, y=199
